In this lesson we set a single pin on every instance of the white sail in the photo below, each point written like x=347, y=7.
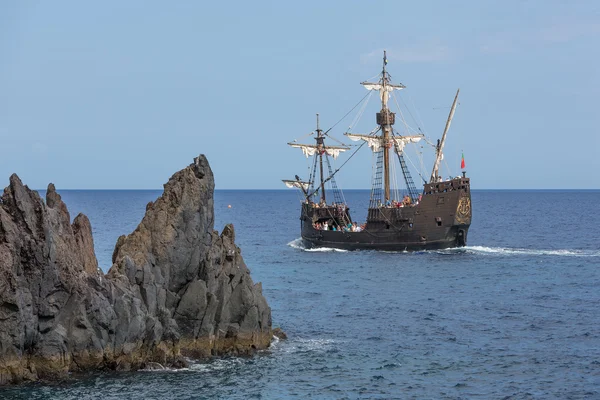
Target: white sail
x=307, y=149
x=376, y=142
x=377, y=86
x=333, y=152
x=297, y=184
x=371, y=86
x=384, y=90
x=311, y=149
x=402, y=141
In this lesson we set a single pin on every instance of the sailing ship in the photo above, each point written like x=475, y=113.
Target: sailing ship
x=436, y=217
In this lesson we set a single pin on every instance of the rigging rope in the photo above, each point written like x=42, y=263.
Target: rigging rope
x=341, y=191
x=312, y=178
x=419, y=116
x=302, y=137
x=414, y=166
x=395, y=186
x=407, y=109
x=341, y=119
x=408, y=127
x=336, y=171
x=360, y=113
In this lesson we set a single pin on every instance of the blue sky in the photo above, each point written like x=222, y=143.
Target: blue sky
x=119, y=94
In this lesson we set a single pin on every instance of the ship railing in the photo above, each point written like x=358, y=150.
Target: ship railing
x=335, y=212
x=447, y=186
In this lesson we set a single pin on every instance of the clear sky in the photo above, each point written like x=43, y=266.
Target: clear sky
x=122, y=94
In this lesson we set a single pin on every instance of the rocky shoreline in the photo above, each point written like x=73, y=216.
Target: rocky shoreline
x=176, y=287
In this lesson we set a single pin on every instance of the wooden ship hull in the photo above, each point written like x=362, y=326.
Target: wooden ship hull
x=441, y=220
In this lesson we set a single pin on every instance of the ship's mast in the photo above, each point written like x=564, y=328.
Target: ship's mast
x=385, y=120
x=440, y=147
x=320, y=137
x=321, y=151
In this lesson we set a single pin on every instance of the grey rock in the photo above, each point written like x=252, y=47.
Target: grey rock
x=176, y=287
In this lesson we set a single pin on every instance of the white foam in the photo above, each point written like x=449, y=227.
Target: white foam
x=307, y=345
x=216, y=365
x=317, y=249
x=299, y=244
x=535, y=252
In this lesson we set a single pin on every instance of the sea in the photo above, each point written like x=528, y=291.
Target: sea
x=514, y=315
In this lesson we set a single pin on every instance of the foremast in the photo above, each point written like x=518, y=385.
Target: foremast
x=320, y=138
x=319, y=150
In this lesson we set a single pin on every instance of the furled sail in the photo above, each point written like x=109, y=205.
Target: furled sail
x=440, y=146
x=402, y=141
x=311, y=149
x=378, y=86
x=376, y=142
x=307, y=149
x=297, y=184
x=384, y=91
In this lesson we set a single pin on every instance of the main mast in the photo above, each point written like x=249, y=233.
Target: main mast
x=320, y=137
x=385, y=119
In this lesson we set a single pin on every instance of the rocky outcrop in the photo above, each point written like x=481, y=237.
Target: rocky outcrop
x=176, y=287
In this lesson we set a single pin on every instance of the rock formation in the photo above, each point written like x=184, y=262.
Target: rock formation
x=176, y=287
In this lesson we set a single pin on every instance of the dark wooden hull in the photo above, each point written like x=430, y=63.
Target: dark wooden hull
x=440, y=220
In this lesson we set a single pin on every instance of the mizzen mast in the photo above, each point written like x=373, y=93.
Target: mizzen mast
x=440, y=146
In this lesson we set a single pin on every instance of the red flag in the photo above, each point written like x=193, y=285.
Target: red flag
x=462, y=161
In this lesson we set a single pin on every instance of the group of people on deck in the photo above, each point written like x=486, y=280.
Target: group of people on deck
x=350, y=227
x=322, y=204
x=406, y=202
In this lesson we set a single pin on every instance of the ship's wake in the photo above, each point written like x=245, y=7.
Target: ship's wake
x=501, y=251
x=476, y=250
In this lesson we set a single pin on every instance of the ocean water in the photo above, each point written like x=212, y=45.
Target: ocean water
x=515, y=315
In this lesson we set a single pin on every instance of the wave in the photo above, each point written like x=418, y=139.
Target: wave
x=299, y=345
x=218, y=364
x=520, y=251
x=299, y=244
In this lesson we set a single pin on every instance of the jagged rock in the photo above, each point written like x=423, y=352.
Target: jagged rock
x=176, y=287
x=279, y=333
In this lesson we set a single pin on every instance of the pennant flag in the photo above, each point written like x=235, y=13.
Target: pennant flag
x=462, y=161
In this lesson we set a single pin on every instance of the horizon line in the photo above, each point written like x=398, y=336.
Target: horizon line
x=363, y=189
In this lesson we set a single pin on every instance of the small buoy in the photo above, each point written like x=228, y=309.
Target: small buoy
x=229, y=206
